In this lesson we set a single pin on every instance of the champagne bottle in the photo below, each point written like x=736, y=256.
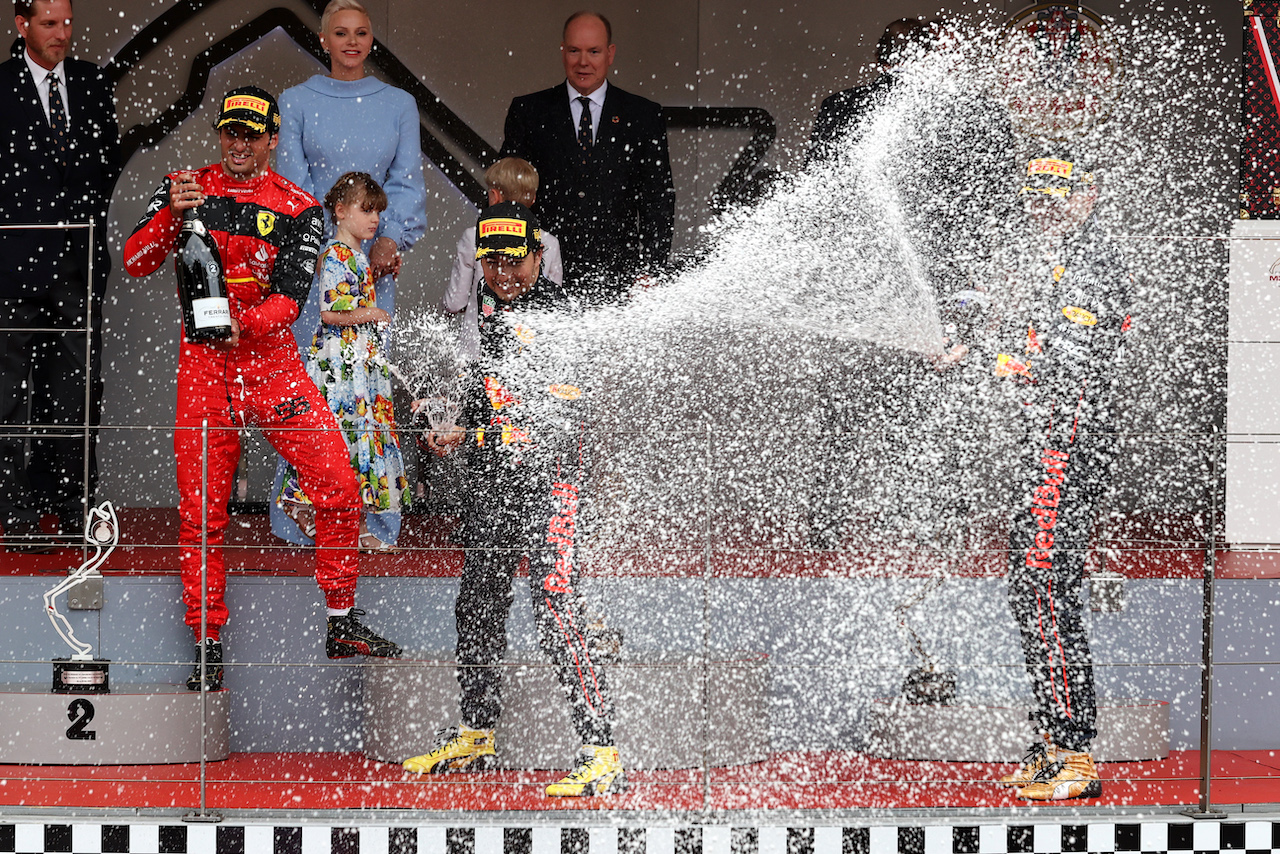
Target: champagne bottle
x=202, y=290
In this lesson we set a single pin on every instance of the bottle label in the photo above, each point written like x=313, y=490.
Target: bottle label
x=211, y=311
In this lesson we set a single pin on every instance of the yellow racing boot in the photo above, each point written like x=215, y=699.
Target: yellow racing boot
x=458, y=748
x=1071, y=775
x=599, y=772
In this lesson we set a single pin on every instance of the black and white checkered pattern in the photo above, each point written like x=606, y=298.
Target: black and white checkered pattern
x=230, y=838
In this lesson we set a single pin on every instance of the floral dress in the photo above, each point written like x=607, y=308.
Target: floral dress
x=347, y=365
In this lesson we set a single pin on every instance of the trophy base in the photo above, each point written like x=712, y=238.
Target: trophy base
x=81, y=676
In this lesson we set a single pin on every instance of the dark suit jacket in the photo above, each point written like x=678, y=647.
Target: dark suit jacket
x=615, y=213
x=840, y=113
x=34, y=188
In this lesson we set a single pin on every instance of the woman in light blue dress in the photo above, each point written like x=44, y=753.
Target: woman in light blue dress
x=347, y=121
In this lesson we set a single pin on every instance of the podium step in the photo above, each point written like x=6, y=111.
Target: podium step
x=1128, y=730
x=661, y=718
x=142, y=724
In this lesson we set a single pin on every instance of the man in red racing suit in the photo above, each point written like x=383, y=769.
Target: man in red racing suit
x=268, y=233
x=1067, y=345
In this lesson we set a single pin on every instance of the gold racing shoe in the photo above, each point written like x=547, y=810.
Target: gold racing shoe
x=599, y=772
x=1039, y=756
x=458, y=748
x=1070, y=775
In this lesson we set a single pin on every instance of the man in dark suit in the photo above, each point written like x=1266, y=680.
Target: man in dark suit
x=60, y=147
x=605, y=185
x=841, y=111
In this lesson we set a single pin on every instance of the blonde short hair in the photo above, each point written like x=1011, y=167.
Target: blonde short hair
x=514, y=178
x=336, y=6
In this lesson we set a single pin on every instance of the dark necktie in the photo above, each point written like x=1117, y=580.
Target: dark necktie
x=58, y=118
x=584, y=126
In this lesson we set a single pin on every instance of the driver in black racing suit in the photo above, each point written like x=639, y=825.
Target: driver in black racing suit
x=524, y=470
x=1062, y=355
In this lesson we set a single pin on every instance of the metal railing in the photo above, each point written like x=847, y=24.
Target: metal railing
x=717, y=599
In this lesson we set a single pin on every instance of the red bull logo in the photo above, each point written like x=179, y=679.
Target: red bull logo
x=560, y=533
x=513, y=435
x=1044, y=507
x=1009, y=366
x=499, y=397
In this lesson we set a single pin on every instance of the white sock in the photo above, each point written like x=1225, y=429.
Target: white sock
x=338, y=612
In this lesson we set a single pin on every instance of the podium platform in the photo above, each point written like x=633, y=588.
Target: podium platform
x=1128, y=730
x=142, y=724
x=672, y=711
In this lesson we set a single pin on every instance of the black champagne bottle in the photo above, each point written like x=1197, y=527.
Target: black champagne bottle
x=202, y=290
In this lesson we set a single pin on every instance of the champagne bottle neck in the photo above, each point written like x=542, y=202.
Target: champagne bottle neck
x=191, y=222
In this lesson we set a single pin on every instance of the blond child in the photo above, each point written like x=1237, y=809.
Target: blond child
x=509, y=180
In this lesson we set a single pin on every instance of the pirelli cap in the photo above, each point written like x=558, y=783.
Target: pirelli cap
x=1055, y=176
x=249, y=106
x=507, y=228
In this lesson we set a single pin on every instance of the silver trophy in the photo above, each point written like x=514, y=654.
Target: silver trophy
x=441, y=410
x=82, y=673
x=430, y=365
x=928, y=684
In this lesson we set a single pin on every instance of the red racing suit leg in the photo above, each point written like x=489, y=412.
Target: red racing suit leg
x=1064, y=478
x=269, y=389
x=204, y=394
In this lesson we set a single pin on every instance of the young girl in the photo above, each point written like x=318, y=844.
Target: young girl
x=347, y=364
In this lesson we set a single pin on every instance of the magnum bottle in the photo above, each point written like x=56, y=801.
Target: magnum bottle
x=202, y=290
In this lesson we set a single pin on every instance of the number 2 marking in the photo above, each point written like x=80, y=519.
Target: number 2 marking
x=80, y=712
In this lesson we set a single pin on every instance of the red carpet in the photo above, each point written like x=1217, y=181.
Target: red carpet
x=801, y=781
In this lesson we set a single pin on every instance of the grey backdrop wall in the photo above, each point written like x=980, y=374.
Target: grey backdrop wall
x=783, y=57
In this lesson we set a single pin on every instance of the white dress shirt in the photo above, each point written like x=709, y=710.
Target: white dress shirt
x=41, y=76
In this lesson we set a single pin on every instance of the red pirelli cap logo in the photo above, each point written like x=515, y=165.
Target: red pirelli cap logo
x=1050, y=166
x=500, y=225
x=245, y=102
